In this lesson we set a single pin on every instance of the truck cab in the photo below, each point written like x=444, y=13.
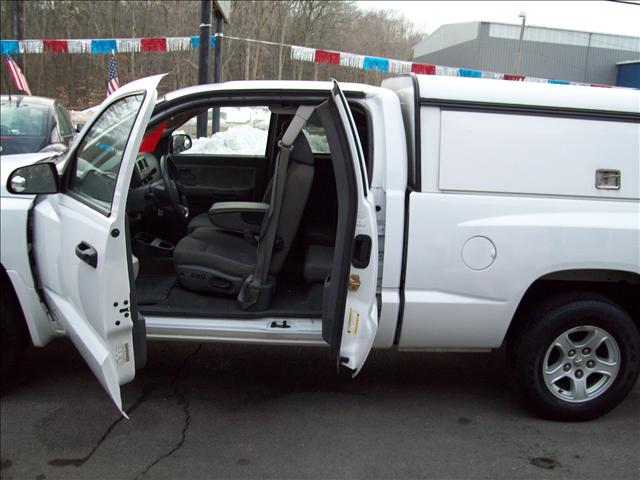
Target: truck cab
x=427, y=214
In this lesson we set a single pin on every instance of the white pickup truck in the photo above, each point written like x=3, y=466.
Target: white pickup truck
x=430, y=213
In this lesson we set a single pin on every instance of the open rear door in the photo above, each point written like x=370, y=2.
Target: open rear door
x=80, y=238
x=351, y=330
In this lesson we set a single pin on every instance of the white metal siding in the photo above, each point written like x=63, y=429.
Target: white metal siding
x=565, y=37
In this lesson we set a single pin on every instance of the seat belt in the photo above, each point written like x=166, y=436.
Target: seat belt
x=254, y=284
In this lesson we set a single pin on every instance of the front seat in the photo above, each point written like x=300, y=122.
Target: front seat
x=203, y=220
x=212, y=260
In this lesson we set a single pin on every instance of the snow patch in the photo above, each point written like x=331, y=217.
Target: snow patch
x=81, y=117
x=238, y=140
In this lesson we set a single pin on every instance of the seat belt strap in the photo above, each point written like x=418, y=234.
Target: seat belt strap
x=251, y=288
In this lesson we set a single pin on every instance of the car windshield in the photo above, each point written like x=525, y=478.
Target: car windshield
x=23, y=128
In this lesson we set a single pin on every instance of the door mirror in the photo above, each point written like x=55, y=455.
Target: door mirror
x=54, y=148
x=180, y=142
x=34, y=179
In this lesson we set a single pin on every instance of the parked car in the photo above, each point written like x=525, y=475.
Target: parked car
x=31, y=124
x=431, y=213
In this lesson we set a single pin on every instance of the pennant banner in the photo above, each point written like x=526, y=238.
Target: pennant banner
x=304, y=54
x=102, y=45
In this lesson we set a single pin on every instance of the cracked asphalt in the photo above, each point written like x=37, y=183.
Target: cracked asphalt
x=241, y=411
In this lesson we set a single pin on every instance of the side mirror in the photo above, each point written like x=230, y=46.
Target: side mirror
x=180, y=142
x=55, y=148
x=34, y=179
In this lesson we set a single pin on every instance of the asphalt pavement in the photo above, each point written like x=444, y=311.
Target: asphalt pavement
x=240, y=411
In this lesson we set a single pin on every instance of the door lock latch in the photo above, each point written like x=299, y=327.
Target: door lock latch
x=354, y=283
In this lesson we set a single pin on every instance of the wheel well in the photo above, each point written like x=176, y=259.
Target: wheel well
x=6, y=287
x=8, y=295
x=622, y=288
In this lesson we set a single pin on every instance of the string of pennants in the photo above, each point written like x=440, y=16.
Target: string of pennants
x=102, y=45
x=306, y=54
x=388, y=65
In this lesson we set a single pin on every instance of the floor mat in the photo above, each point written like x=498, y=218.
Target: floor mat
x=292, y=299
x=154, y=289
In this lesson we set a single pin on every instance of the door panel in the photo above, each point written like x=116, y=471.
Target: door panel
x=208, y=179
x=359, y=320
x=79, y=238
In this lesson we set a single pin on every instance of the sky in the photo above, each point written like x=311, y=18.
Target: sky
x=590, y=16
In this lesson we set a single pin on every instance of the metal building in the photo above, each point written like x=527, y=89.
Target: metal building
x=545, y=52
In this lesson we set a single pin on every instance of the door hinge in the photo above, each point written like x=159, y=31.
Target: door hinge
x=354, y=283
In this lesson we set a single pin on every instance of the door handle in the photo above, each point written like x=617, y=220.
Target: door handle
x=87, y=254
x=361, y=251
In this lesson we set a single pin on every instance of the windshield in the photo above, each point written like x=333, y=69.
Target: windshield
x=23, y=128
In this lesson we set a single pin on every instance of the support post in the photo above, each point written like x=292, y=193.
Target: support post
x=217, y=70
x=203, y=59
x=516, y=69
x=17, y=27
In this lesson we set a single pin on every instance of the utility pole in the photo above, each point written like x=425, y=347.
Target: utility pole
x=516, y=69
x=203, y=59
x=217, y=69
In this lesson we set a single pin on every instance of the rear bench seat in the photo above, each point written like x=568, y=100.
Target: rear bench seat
x=317, y=263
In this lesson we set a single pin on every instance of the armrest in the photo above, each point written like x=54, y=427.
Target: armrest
x=238, y=216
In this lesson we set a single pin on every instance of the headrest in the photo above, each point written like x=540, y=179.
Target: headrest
x=301, y=152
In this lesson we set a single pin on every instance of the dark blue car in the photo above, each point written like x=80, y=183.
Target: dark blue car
x=30, y=124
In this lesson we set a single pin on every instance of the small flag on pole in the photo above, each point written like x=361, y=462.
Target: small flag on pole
x=112, y=84
x=17, y=76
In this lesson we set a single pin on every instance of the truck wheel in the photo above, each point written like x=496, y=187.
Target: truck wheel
x=578, y=358
x=14, y=338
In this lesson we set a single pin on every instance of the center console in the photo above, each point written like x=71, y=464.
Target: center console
x=155, y=255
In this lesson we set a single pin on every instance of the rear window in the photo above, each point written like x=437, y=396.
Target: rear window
x=243, y=132
x=23, y=120
x=23, y=128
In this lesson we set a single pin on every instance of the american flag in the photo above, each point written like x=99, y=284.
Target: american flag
x=112, y=84
x=17, y=76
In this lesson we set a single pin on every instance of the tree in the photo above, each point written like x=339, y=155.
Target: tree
x=79, y=80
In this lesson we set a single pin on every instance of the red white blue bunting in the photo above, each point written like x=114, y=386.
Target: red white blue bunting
x=388, y=65
x=305, y=54
x=102, y=45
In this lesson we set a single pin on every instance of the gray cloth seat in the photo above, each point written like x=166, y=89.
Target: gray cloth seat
x=202, y=220
x=313, y=233
x=214, y=249
x=136, y=266
x=199, y=221
x=318, y=260
x=319, y=232
x=212, y=260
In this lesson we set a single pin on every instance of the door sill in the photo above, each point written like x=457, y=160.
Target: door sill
x=273, y=330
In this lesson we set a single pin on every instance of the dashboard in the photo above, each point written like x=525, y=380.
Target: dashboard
x=147, y=169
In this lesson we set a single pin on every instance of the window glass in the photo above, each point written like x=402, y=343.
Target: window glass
x=100, y=154
x=23, y=126
x=64, y=122
x=243, y=131
x=21, y=119
x=316, y=135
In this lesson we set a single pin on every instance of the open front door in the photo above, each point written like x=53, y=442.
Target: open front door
x=80, y=238
x=350, y=312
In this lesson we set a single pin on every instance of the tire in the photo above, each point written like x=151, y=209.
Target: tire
x=14, y=337
x=577, y=358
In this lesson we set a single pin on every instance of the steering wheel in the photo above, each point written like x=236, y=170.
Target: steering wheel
x=172, y=186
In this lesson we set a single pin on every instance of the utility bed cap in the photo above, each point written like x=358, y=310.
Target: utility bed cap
x=531, y=94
